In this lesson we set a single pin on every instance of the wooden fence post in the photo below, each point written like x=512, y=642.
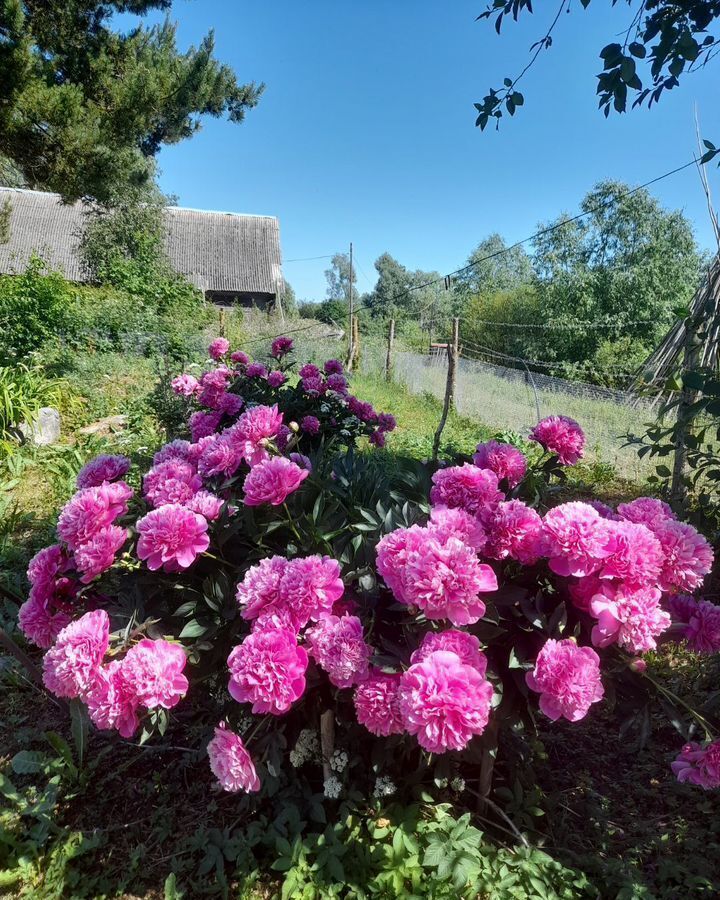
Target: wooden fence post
x=453, y=351
x=390, y=347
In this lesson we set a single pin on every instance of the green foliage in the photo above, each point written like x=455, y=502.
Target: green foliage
x=338, y=277
x=628, y=266
x=108, y=100
x=34, y=306
x=494, y=268
x=700, y=427
x=399, y=293
x=123, y=247
x=670, y=39
x=5, y=217
x=23, y=391
x=518, y=306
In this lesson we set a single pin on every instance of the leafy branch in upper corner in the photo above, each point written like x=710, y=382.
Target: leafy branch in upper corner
x=671, y=38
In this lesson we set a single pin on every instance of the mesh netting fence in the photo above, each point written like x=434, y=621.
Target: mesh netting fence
x=509, y=399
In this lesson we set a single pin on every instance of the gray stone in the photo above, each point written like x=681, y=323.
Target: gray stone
x=44, y=428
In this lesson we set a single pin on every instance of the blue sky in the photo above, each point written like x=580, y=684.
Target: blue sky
x=366, y=130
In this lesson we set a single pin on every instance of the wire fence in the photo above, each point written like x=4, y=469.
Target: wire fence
x=508, y=399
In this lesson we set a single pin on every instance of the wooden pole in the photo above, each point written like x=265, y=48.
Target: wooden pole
x=692, y=360
x=355, y=343
x=351, y=348
x=389, y=356
x=453, y=351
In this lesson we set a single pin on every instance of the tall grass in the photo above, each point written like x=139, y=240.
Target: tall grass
x=23, y=391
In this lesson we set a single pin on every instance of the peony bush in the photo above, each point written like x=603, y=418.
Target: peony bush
x=318, y=615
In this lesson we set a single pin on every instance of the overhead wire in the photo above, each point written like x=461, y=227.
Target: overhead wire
x=540, y=233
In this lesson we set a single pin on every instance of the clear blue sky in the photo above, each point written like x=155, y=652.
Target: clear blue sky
x=366, y=130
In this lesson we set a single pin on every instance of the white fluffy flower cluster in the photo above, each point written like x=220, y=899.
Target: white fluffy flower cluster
x=339, y=761
x=384, y=787
x=458, y=784
x=307, y=748
x=332, y=788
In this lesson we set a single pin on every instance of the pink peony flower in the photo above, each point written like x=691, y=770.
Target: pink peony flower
x=699, y=765
x=376, y=704
x=172, y=481
x=239, y=358
x=467, y=487
x=268, y=670
x=332, y=367
x=171, y=537
x=688, y=556
x=252, y=431
x=102, y=468
x=337, y=645
x=111, y=702
x=256, y=370
x=443, y=578
x=218, y=348
x=272, y=481
x=231, y=763
x=386, y=422
x=444, y=702
x=40, y=624
x=205, y=504
x=152, y=671
x=90, y=510
x=575, y=539
x=203, y=424
x=645, y=511
x=377, y=438
x=702, y=622
x=631, y=618
x=506, y=461
x=230, y=404
x=290, y=593
x=515, y=531
x=362, y=410
x=582, y=591
x=46, y=565
x=457, y=523
x=635, y=554
x=309, y=370
x=276, y=378
x=185, y=385
x=72, y=664
x=337, y=383
x=310, y=425
x=562, y=436
x=221, y=457
x=465, y=646
x=310, y=586
x=602, y=509
x=98, y=554
x=567, y=677
x=177, y=449
x=281, y=346
x=314, y=385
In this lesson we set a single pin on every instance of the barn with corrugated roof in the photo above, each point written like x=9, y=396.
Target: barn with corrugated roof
x=231, y=257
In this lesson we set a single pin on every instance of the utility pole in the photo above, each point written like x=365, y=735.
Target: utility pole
x=351, y=341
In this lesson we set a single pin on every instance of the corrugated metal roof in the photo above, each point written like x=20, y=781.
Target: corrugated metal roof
x=216, y=251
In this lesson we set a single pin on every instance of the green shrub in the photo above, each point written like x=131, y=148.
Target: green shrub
x=35, y=305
